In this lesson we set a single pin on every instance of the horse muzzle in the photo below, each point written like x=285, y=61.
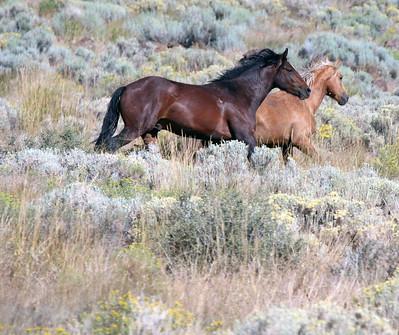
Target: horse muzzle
x=304, y=93
x=343, y=99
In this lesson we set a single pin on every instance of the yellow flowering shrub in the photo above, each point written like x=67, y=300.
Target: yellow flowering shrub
x=384, y=299
x=387, y=161
x=5, y=38
x=46, y=331
x=8, y=200
x=214, y=326
x=325, y=131
x=127, y=314
x=288, y=209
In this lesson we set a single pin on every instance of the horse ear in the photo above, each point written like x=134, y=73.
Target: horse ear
x=284, y=55
x=338, y=63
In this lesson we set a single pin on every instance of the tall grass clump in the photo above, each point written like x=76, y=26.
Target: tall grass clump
x=45, y=96
x=49, y=7
x=85, y=19
x=387, y=161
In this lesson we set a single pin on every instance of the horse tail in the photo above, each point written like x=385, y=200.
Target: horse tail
x=110, y=122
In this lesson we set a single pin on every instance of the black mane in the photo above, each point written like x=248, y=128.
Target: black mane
x=264, y=57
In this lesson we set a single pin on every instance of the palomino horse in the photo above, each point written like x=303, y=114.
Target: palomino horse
x=284, y=120
x=223, y=109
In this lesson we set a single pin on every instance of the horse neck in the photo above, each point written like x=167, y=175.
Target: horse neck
x=319, y=91
x=254, y=91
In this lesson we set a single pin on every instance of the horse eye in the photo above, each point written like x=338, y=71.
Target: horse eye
x=341, y=77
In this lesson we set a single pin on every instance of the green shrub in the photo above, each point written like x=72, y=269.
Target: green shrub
x=357, y=54
x=222, y=226
x=387, y=161
x=9, y=204
x=125, y=187
x=49, y=7
x=197, y=26
x=68, y=27
x=320, y=319
x=344, y=128
x=383, y=298
x=67, y=134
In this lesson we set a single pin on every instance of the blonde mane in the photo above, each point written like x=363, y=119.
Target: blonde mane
x=315, y=65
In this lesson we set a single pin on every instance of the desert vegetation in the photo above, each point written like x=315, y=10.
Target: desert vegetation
x=166, y=241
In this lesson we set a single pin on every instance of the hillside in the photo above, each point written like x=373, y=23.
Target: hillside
x=188, y=240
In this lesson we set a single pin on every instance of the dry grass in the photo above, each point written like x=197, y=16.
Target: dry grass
x=48, y=278
x=346, y=158
x=230, y=297
x=50, y=275
x=44, y=96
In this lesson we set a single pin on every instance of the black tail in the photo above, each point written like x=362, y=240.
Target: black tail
x=110, y=122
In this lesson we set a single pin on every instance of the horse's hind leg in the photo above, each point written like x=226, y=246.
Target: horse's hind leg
x=151, y=137
x=124, y=137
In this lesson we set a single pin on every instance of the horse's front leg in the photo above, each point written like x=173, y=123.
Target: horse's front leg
x=287, y=151
x=206, y=143
x=306, y=146
x=245, y=134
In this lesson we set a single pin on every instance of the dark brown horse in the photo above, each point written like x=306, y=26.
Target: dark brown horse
x=223, y=109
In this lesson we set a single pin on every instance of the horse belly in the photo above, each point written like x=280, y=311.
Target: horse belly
x=182, y=129
x=271, y=133
x=204, y=123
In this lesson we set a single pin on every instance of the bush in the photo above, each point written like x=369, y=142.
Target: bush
x=57, y=54
x=224, y=226
x=17, y=18
x=387, y=161
x=356, y=54
x=68, y=133
x=79, y=202
x=320, y=319
x=383, y=299
x=363, y=20
x=68, y=25
x=39, y=39
x=219, y=28
x=127, y=314
x=86, y=19
x=373, y=122
x=49, y=7
x=343, y=128
x=8, y=118
x=125, y=187
x=25, y=50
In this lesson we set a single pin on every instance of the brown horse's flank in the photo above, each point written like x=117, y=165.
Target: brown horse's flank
x=284, y=120
x=223, y=109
